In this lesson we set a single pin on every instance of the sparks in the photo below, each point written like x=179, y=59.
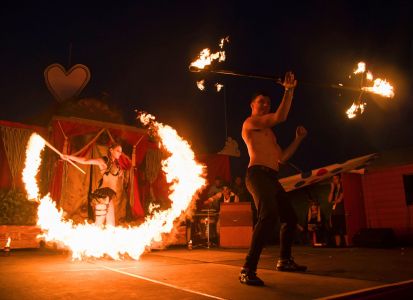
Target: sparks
x=219, y=86
x=201, y=84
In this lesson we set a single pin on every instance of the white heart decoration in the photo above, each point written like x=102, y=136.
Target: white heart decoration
x=65, y=85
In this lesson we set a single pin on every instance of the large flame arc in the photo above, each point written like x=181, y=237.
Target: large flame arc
x=88, y=240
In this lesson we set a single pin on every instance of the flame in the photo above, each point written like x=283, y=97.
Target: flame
x=369, y=76
x=219, y=86
x=355, y=109
x=205, y=58
x=201, y=84
x=222, y=42
x=361, y=68
x=380, y=87
x=90, y=240
x=8, y=243
x=36, y=144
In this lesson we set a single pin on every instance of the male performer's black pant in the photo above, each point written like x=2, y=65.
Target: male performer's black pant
x=272, y=203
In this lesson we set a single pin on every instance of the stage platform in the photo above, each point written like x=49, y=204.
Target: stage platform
x=179, y=273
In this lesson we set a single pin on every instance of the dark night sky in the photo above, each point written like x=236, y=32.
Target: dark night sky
x=139, y=55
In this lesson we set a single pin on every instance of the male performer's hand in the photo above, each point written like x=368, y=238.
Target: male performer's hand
x=289, y=81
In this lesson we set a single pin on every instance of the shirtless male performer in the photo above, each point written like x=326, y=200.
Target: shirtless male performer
x=269, y=196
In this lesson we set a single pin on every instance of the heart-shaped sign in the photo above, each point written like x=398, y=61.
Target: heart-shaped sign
x=65, y=85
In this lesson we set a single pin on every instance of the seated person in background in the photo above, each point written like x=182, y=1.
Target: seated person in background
x=226, y=195
x=314, y=223
x=214, y=203
x=100, y=202
x=239, y=188
x=215, y=187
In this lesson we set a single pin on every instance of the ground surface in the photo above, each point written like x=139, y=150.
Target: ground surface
x=179, y=273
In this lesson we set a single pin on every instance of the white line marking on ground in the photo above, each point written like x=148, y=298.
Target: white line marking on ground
x=94, y=269
x=160, y=282
x=379, y=288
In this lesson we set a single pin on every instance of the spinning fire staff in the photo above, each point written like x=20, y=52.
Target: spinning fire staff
x=380, y=86
x=231, y=73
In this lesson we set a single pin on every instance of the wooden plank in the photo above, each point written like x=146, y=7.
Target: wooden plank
x=21, y=236
x=235, y=236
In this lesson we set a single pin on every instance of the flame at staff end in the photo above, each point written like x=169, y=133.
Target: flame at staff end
x=361, y=68
x=380, y=87
x=355, y=109
x=205, y=58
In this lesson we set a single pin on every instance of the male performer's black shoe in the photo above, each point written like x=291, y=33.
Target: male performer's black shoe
x=289, y=265
x=248, y=277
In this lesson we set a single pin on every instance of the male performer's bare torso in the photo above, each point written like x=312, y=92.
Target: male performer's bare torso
x=263, y=148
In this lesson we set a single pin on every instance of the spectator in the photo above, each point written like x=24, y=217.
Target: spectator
x=338, y=217
x=226, y=195
x=216, y=187
x=239, y=188
x=315, y=224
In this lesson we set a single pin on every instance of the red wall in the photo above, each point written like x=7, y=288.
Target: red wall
x=353, y=203
x=385, y=201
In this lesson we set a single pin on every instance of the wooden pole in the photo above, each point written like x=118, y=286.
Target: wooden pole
x=60, y=154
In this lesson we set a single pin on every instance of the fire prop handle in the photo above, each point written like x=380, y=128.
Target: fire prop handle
x=277, y=80
x=226, y=72
x=348, y=88
x=60, y=154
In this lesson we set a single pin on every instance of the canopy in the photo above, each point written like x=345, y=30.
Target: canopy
x=307, y=178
